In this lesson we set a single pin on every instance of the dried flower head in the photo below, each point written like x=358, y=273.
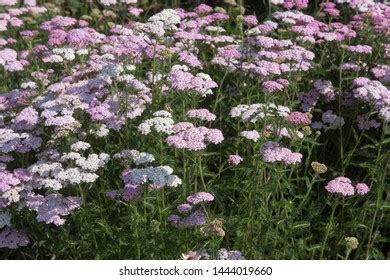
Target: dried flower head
x=318, y=168
x=352, y=242
x=214, y=228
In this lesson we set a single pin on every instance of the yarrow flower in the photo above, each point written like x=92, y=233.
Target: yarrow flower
x=161, y=122
x=298, y=118
x=193, y=138
x=254, y=112
x=182, y=80
x=200, y=197
x=374, y=93
x=135, y=156
x=273, y=152
x=191, y=214
x=360, y=49
x=252, y=135
x=329, y=121
x=318, y=167
x=224, y=254
x=12, y=239
x=202, y=114
x=235, y=160
x=195, y=255
x=344, y=187
x=352, y=242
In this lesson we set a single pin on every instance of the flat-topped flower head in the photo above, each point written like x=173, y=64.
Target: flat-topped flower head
x=201, y=114
x=341, y=185
x=193, y=138
x=273, y=152
x=200, y=197
x=235, y=160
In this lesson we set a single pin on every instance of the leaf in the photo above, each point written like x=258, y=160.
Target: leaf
x=301, y=225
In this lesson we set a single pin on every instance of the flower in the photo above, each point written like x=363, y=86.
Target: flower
x=161, y=122
x=195, y=255
x=224, y=254
x=352, y=242
x=53, y=207
x=193, y=138
x=360, y=49
x=340, y=185
x=5, y=219
x=182, y=80
x=250, y=135
x=202, y=114
x=213, y=228
x=200, y=197
x=272, y=152
x=234, y=160
x=362, y=188
x=318, y=167
x=12, y=239
x=298, y=118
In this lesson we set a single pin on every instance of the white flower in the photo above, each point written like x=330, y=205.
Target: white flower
x=50, y=184
x=53, y=58
x=67, y=53
x=29, y=85
x=102, y=131
x=70, y=156
x=12, y=195
x=130, y=67
x=215, y=29
x=160, y=176
x=45, y=169
x=80, y=146
x=93, y=162
x=180, y=67
x=82, y=52
x=162, y=122
x=76, y=176
x=173, y=181
x=108, y=2
x=167, y=19
x=254, y=112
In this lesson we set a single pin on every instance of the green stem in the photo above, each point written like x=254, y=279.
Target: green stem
x=328, y=228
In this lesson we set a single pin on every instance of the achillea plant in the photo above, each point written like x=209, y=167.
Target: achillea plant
x=206, y=133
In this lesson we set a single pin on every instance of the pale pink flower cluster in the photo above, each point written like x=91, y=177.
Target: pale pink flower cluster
x=193, y=138
x=343, y=186
x=273, y=152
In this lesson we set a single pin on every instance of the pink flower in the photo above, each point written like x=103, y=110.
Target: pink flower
x=234, y=160
x=361, y=49
x=340, y=185
x=194, y=138
x=362, y=188
x=200, y=197
x=202, y=114
x=298, y=118
x=273, y=152
x=250, y=20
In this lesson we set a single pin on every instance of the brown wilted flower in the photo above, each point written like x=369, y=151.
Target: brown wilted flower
x=266, y=134
x=214, y=228
x=168, y=108
x=318, y=168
